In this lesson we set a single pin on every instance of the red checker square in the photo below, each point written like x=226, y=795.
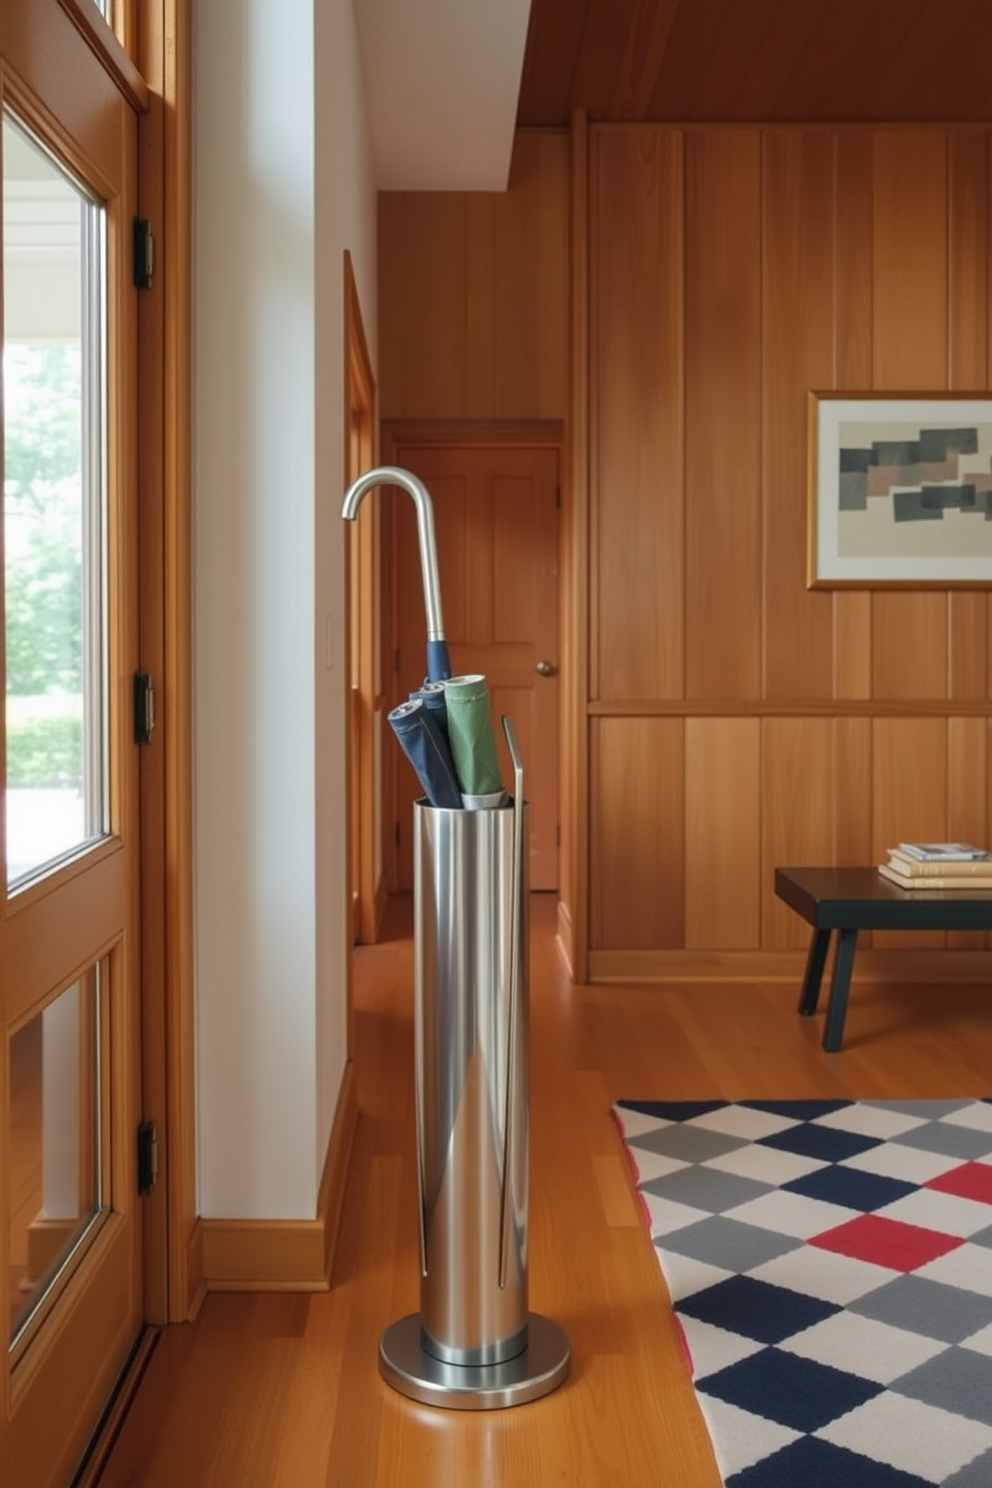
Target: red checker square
x=972, y=1180
x=886, y=1242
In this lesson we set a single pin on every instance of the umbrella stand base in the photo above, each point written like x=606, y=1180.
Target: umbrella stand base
x=407, y=1367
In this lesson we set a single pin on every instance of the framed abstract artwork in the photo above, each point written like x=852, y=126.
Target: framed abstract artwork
x=900, y=490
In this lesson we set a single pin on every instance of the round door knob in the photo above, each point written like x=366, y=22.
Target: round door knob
x=546, y=668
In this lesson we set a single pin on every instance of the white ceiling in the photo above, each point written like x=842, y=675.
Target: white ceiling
x=441, y=84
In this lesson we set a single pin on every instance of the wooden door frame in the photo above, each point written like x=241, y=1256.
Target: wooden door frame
x=474, y=434
x=161, y=43
x=364, y=680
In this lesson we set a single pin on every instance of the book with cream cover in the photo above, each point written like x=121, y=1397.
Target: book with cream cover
x=948, y=880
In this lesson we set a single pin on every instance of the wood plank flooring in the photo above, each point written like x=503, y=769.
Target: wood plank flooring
x=284, y=1392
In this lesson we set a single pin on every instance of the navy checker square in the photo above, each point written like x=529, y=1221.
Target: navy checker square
x=829, y=1264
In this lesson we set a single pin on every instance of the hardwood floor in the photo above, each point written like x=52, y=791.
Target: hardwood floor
x=284, y=1392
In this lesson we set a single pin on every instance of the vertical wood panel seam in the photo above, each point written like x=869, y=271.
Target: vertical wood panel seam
x=581, y=436
x=762, y=423
x=949, y=239
x=683, y=426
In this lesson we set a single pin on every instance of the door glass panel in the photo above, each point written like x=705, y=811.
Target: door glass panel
x=56, y=1177
x=54, y=510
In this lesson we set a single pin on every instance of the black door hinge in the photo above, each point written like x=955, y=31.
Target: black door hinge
x=144, y=708
x=144, y=253
x=147, y=1157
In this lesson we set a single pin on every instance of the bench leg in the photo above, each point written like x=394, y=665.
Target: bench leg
x=840, y=986
x=809, y=993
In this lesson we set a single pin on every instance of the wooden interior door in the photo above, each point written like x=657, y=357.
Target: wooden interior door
x=496, y=526
x=71, y=1280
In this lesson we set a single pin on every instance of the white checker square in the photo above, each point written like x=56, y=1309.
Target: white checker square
x=870, y=1121
x=667, y=1216
x=765, y=1164
x=944, y=1212
x=977, y=1117
x=871, y=1350
x=712, y=1348
x=981, y=1341
x=911, y=1164
x=743, y=1121
x=968, y=1267
x=819, y=1273
x=637, y=1124
x=910, y=1436
x=742, y=1439
x=686, y=1276
x=791, y=1214
x=654, y=1164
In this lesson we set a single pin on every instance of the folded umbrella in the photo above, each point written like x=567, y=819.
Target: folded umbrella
x=426, y=747
x=431, y=694
x=472, y=738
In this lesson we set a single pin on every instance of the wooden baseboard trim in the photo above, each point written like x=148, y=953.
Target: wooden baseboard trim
x=264, y=1255
x=330, y=1196
x=286, y=1255
x=907, y=966
x=196, y=1286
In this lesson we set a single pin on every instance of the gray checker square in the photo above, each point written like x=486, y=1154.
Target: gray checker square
x=928, y=1307
x=730, y=1244
x=688, y=1144
x=928, y=1110
x=957, y=1380
x=977, y=1474
x=711, y=1189
x=943, y=1137
x=984, y=1237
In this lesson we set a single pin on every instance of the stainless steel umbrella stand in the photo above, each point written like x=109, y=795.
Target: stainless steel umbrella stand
x=474, y=1345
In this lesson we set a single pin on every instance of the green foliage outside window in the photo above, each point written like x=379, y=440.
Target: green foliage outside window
x=43, y=564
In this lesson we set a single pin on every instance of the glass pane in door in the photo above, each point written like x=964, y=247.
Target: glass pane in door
x=56, y=1171
x=54, y=510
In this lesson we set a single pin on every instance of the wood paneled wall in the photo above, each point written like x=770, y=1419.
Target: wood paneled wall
x=733, y=718
x=732, y=271
x=472, y=295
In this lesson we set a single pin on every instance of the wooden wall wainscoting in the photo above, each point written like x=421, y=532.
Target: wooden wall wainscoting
x=720, y=716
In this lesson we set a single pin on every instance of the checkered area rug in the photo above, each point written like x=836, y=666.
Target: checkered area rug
x=830, y=1266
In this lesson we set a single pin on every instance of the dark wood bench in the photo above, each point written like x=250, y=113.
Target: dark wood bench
x=851, y=899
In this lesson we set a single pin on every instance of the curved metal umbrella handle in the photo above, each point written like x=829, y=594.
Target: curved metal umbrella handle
x=438, y=662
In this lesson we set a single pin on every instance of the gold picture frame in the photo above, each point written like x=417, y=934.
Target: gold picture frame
x=900, y=490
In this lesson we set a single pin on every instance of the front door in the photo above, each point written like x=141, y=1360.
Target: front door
x=70, y=1226
x=496, y=525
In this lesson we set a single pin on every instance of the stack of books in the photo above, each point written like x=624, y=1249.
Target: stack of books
x=938, y=865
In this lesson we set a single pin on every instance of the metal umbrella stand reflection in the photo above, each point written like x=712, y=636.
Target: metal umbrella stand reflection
x=474, y=1344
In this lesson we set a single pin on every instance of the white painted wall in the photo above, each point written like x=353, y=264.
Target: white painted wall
x=283, y=183
x=346, y=216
